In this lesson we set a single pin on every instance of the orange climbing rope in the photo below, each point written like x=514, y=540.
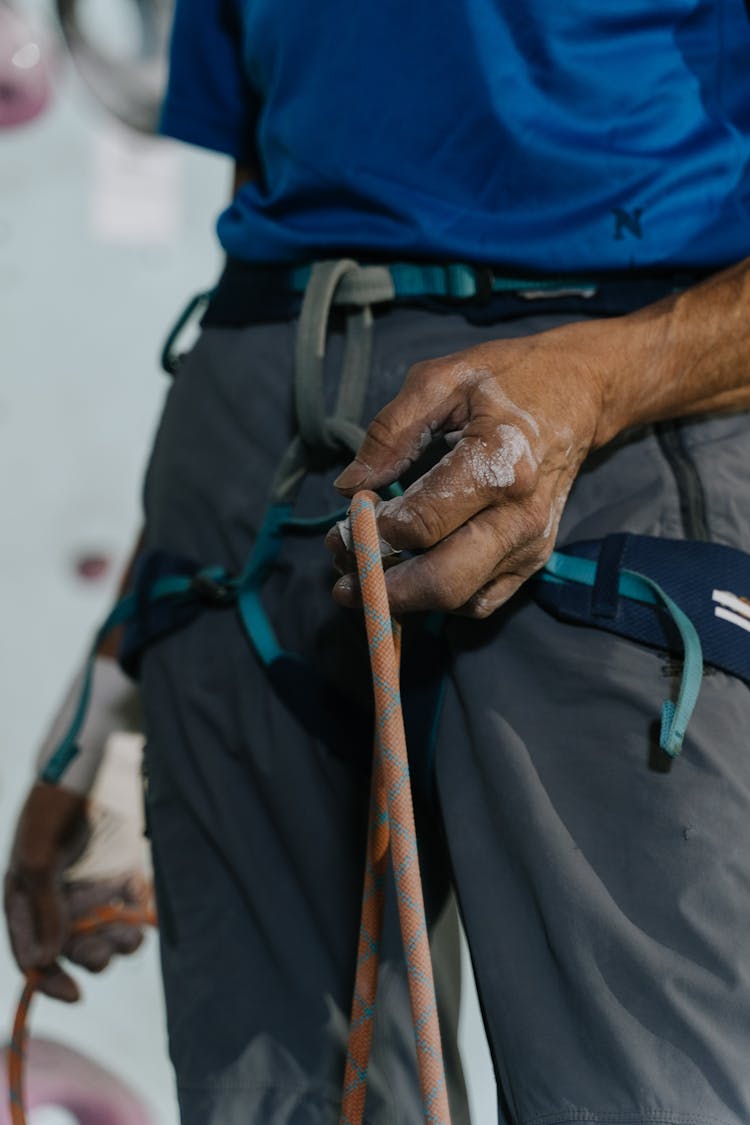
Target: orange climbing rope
x=102, y=916
x=391, y=828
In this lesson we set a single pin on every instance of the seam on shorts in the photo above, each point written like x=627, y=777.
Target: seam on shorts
x=621, y=1117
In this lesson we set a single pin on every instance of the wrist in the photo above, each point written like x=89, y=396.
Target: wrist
x=112, y=706
x=628, y=363
x=51, y=833
x=681, y=356
x=603, y=361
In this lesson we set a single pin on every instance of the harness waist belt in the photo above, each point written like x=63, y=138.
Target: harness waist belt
x=588, y=582
x=250, y=292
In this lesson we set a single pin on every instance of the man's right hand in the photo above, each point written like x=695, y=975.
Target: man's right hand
x=41, y=906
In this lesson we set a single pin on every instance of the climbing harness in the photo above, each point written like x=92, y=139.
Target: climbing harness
x=683, y=596
x=627, y=584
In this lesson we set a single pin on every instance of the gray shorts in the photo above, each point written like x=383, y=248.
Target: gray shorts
x=606, y=903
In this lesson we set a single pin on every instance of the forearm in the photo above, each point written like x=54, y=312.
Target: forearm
x=113, y=705
x=687, y=354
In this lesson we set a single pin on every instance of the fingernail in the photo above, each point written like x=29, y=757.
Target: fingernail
x=386, y=550
x=347, y=584
x=354, y=475
x=344, y=529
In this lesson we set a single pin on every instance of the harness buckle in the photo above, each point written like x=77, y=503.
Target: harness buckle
x=483, y=279
x=210, y=590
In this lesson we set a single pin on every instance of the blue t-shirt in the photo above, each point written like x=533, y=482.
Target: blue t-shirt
x=533, y=135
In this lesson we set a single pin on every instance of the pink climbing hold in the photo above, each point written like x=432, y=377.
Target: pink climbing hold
x=62, y=1078
x=92, y=566
x=25, y=69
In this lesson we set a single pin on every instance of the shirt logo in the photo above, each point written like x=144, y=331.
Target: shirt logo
x=732, y=608
x=627, y=221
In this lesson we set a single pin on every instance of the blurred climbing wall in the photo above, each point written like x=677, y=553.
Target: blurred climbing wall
x=103, y=234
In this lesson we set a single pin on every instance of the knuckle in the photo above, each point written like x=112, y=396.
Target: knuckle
x=505, y=535
x=410, y=525
x=540, y=558
x=449, y=597
x=479, y=608
x=534, y=552
x=536, y=519
x=423, y=526
x=520, y=529
x=381, y=430
x=424, y=585
x=494, y=595
x=35, y=875
x=447, y=604
x=485, y=601
x=422, y=373
x=526, y=478
x=13, y=886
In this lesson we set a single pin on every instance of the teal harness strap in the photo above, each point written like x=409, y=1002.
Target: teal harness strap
x=675, y=717
x=278, y=520
x=169, y=588
x=260, y=564
x=67, y=748
x=457, y=281
x=322, y=439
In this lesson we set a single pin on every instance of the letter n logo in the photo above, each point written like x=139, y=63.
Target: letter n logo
x=627, y=221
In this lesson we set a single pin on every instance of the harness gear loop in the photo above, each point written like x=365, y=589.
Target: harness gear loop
x=171, y=356
x=322, y=435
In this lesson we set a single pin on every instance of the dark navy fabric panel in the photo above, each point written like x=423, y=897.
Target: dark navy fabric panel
x=687, y=570
x=538, y=136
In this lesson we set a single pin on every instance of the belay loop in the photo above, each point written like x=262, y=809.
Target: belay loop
x=391, y=827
